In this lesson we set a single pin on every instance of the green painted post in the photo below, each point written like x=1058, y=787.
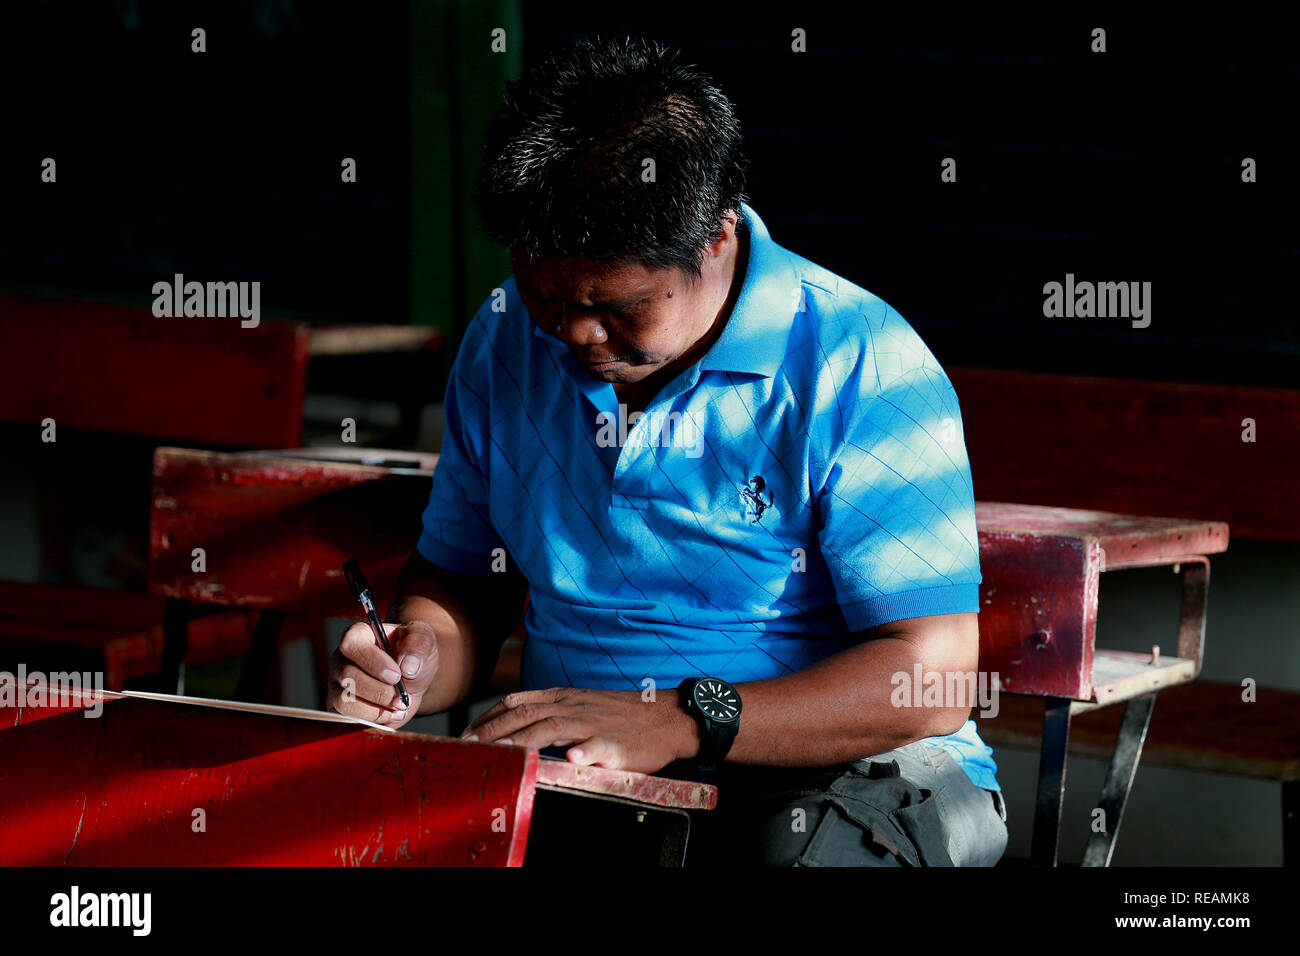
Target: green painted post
x=431, y=167
x=481, y=73
x=456, y=83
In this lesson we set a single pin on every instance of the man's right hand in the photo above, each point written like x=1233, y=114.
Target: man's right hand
x=362, y=675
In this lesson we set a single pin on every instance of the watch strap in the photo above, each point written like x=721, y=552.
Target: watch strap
x=715, y=743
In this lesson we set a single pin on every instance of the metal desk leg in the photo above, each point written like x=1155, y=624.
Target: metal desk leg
x=1290, y=838
x=1119, y=778
x=675, y=834
x=1051, y=782
x=457, y=719
x=176, y=624
x=256, y=672
x=1191, y=616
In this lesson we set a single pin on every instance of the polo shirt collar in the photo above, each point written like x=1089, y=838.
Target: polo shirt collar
x=754, y=340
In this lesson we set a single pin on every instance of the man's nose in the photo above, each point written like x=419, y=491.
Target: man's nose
x=579, y=331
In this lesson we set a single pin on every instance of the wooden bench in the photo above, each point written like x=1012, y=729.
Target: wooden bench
x=59, y=626
x=119, y=369
x=1135, y=446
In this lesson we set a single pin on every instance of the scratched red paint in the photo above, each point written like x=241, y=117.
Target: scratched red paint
x=276, y=531
x=1041, y=568
x=205, y=384
x=658, y=791
x=122, y=789
x=1134, y=446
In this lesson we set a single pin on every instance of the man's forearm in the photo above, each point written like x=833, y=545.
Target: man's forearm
x=840, y=709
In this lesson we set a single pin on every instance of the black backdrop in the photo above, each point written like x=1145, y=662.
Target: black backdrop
x=224, y=165
x=1122, y=166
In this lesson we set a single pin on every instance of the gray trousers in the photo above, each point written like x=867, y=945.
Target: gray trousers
x=912, y=806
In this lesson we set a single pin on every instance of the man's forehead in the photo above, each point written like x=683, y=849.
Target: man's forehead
x=577, y=277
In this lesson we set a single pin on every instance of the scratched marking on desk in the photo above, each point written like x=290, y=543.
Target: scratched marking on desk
x=81, y=820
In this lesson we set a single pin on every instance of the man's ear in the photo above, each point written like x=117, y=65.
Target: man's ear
x=728, y=227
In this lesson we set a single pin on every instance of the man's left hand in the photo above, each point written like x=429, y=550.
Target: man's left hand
x=618, y=729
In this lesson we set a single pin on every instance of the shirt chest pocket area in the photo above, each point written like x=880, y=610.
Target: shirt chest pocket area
x=722, y=499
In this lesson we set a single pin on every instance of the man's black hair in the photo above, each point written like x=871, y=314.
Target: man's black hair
x=564, y=155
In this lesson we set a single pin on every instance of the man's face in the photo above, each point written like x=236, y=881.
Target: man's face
x=622, y=322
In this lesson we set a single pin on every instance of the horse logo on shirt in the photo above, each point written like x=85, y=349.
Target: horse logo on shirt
x=757, y=498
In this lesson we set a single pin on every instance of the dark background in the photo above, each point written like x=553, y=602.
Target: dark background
x=1123, y=166
x=220, y=164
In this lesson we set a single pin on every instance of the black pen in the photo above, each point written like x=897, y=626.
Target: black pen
x=361, y=591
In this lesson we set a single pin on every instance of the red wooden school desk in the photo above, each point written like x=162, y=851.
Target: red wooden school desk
x=157, y=782
x=1038, y=623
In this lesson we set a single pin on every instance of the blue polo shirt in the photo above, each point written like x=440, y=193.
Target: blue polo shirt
x=806, y=479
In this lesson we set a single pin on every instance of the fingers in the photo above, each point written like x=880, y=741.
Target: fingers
x=598, y=752
x=512, y=702
x=415, y=645
x=396, y=718
x=359, y=647
x=530, y=725
x=344, y=697
x=547, y=732
x=363, y=675
x=351, y=682
x=376, y=714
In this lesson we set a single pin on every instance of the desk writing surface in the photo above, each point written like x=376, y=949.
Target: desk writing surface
x=153, y=781
x=1126, y=540
x=276, y=786
x=276, y=530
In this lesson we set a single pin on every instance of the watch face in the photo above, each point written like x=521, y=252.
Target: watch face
x=716, y=699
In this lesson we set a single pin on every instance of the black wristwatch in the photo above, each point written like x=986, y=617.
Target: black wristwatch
x=715, y=705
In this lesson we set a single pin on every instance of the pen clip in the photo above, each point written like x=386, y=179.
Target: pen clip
x=356, y=580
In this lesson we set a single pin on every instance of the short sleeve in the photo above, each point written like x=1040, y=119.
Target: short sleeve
x=897, y=509
x=458, y=534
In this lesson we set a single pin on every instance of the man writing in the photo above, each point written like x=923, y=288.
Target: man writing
x=798, y=530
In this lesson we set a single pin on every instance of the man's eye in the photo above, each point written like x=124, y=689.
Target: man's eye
x=540, y=310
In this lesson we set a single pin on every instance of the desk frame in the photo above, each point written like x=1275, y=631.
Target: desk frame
x=1137, y=691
